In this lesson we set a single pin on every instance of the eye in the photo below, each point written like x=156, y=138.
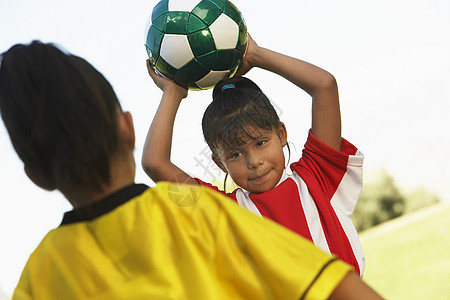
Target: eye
x=261, y=142
x=235, y=154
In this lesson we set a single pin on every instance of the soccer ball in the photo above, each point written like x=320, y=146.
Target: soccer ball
x=196, y=43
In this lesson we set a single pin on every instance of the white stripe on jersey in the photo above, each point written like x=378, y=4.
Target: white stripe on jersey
x=311, y=214
x=352, y=179
x=309, y=208
x=342, y=209
x=244, y=200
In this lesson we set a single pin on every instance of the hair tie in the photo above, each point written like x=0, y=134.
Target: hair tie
x=228, y=86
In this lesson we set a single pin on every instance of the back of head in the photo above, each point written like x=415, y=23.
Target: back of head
x=238, y=108
x=61, y=115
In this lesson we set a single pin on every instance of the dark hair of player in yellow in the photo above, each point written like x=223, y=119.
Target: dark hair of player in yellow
x=61, y=115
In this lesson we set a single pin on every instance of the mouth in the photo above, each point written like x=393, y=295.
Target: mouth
x=259, y=178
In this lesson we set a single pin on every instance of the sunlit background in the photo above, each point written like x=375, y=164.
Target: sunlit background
x=391, y=60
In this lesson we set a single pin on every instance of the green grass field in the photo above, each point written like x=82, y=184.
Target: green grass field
x=409, y=257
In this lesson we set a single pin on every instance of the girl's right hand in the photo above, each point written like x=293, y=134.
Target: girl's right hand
x=165, y=84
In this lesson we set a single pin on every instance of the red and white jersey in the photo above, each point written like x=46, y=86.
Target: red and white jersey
x=317, y=199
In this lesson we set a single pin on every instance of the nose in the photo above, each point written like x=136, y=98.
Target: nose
x=254, y=160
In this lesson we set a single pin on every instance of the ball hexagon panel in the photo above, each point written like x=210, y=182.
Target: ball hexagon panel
x=154, y=39
x=225, y=32
x=201, y=42
x=165, y=68
x=160, y=22
x=231, y=10
x=211, y=79
x=183, y=53
x=176, y=22
x=190, y=73
x=207, y=12
x=160, y=8
x=195, y=24
x=243, y=38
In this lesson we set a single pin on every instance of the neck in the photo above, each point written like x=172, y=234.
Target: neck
x=122, y=174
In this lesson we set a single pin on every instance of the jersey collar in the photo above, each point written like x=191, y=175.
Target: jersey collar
x=107, y=204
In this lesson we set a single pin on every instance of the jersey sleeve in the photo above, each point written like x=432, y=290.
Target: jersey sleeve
x=209, y=185
x=332, y=175
x=231, y=195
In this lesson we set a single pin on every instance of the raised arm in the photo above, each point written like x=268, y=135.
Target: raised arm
x=320, y=84
x=158, y=144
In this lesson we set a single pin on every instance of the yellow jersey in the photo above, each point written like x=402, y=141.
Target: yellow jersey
x=175, y=242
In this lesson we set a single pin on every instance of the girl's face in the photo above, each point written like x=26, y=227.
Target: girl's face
x=257, y=165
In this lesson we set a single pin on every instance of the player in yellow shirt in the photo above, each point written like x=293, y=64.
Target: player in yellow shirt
x=127, y=241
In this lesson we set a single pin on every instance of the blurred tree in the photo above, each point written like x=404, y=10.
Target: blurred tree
x=380, y=201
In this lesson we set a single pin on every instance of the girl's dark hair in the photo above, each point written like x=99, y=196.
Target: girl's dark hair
x=61, y=115
x=239, y=107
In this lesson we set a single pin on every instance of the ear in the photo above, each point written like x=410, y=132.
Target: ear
x=282, y=134
x=219, y=163
x=126, y=129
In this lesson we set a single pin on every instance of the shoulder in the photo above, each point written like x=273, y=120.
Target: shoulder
x=231, y=195
x=316, y=152
x=315, y=144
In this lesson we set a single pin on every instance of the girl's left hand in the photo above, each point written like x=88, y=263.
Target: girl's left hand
x=165, y=84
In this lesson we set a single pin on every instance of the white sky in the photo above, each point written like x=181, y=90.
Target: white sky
x=391, y=60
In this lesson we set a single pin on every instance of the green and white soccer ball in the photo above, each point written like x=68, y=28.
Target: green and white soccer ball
x=196, y=43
